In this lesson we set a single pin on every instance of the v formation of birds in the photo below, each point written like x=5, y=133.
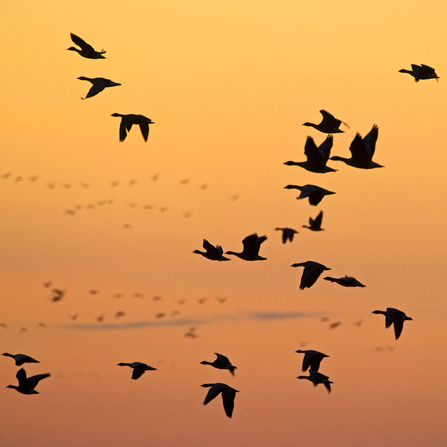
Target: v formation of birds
x=362, y=150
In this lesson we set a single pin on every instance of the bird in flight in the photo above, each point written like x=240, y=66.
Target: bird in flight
x=214, y=253
x=251, y=245
x=138, y=368
x=316, y=378
x=287, y=234
x=347, y=281
x=311, y=359
x=329, y=124
x=394, y=316
x=127, y=121
x=314, y=193
x=421, y=72
x=99, y=84
x=20, y=359
x=86, y=50
x=27, y=384
x=312, y=271
x=228, y=395
x=315, y=224
x=221, y=362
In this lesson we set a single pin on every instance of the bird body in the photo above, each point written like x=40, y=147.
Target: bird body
x=287, y=234
x=329, y=123
x=421, y=72
x=347, y=281
x=316, y=378
x=251, y=245
x=99, y=84
x=21, y=358
x=138, y=368
x=314, y=193
x=228, y=395
x=311, y=359
x=214, y=253
x=394, y=316
x=315, y=224
x=221, y=362
x=127, y=121
x=312, y=271
x=27, y=384
x=86, y=50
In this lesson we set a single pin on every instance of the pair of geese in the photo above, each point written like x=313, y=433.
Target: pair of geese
x=99, y=84
x=314, y=225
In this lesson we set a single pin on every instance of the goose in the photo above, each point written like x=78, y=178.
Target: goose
x=317, y=156
x=312, y=270
x=250, y=252
x=138, y=368
x=221, y=362
x=214, y=253
x=99, y=84
x=362, y=151
x=394, y=316
x=347, y=281
x=421, y=72
x=314, y=193
x=27, y=385
x=228, y=395
x=21, y=358
x=316, y=378
x=329, y=123
x=311, y=359
x=287, y=234
x=315, y=224
x=86, y=49
x=127, y=121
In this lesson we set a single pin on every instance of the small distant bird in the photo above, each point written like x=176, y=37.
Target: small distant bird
x=312, y=271
x=315, y=224
x=362, y=151
x=317, y=156
x=21, y=358
x=421, y=72
x=228, y=395
x=287, y=234
x=335, y=324
x=99, y=84
x=251, y=245
x=347, y=281
x=27, y=384
x=311, y=359
x=86, y=50
x=316, y=378
x=58, y=294
x=214, y=253
x=314, y=193
x=127, y=121
x=394, y=316
x=221, y=362
x=329, y=123
x=138, y=368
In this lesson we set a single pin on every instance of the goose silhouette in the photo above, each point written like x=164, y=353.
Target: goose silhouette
x=99, y=84
x=250, y=251
x=315, y=224
x=20, y=359
x=347, y=281
x=394, y=316
x=86, y=50
x=316, y=378
x=228, y=395
x=314, y=193
x=27, y=384
x=127, y=121
x=312, y=271
x=329, y=124
x=221, y=362
x=287, y=234
x=311, y=359
x=420, y=72
x=214, y=253
x=138, y=369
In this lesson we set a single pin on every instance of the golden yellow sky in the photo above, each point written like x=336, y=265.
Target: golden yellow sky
x=228, y=86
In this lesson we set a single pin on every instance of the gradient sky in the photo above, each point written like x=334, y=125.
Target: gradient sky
x=228, y=85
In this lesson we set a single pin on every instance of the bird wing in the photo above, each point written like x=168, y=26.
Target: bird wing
x=215, y=390
x=210, y=248
x=329, y=120
x=96, y=88
x=123, y=129
x=398, y=326
x=34, y=380
x=358, y=150
x=21, y=377
x=370, y=140
x=314, y=157
x=318, y=220
x=144, y=127
x=249, y=244
x=325, y=149
x=223, y=359
x=137, y=372
x=82, y=43
x=228, y=396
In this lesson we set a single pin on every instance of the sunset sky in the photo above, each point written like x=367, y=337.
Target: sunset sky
x=114, y=224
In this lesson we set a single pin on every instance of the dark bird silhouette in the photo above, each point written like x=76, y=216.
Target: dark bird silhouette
x=221, y=362
x=20, y=359
x=58, y=294
x=315, y=224
x=421, y=72
x=317, y=156
x=287, y=234
x=314, y=193
x=27, y=384
x=362, y=151
x=138, y=368
x=394, y=316
x=312, y=271
x=347, y=281
x=99, y=84
x=329, y=123
x=127, y=121
x=251, y=245
x=214, y=253
x=228, y=395
x=86, y=50
x=316, y=378
x=311, y=359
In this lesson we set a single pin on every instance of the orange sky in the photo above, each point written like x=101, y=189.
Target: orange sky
x=228, y=87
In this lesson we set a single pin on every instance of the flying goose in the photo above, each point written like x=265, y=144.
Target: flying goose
x=99, y=84
x=287, y=234
x=314, y=193
x=421, y=72
x=311, y=359
x=362, y=151
x=228, y=395
x=221, y=362
x=214, y=253
x=316, y=378
x=127, y=121
x=347, y=281
x=27, y=385
x=138, y=368
x=394, y=316
x=21, y=358
x=250, y=252
x=86, y=49
x=315, y=224
x=329, y=123
x=312, y=270
x=317, y=156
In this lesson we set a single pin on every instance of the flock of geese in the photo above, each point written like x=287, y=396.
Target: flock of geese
x=362, y=151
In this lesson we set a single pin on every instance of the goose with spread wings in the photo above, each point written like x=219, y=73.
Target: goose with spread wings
x=86, y=50
x=228, y=395
x=127, y=121
x=214, y=253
